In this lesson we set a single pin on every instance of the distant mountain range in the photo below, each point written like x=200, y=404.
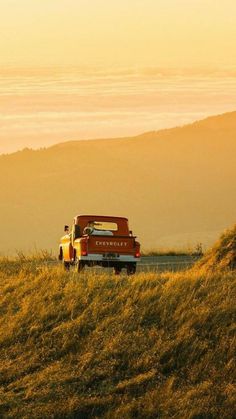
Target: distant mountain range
x=177, y=186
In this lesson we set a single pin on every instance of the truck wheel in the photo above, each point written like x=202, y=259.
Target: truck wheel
x=131, y=268
x=117, y=270
x=60, y=256
x=66, y=265
x=80, y=265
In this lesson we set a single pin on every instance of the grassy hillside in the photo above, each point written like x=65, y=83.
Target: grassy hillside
x=101, y=346
x=176, y=186
x=222, y=256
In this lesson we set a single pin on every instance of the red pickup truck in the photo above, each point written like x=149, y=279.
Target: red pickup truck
x=100, y=240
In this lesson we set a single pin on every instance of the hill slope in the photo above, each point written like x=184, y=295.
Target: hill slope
x=102, y=346
x=177, y=186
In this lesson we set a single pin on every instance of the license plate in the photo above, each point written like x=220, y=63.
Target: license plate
x=110, y=256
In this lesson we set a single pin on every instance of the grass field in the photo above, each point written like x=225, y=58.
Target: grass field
x=146, y=346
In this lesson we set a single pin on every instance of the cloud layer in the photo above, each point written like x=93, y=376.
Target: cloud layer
x=40, y=107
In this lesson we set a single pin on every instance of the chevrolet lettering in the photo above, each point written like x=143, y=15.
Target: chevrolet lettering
x=118, y=244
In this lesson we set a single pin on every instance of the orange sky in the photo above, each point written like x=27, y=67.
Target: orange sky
x=111, y=32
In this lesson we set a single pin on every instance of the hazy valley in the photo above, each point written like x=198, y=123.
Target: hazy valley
x=177, y=186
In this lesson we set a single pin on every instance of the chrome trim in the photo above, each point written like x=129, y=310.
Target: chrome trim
x=99, y=258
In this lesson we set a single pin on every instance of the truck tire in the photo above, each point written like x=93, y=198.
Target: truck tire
x=66, y=265
x=80, y=265
x=117, y=270
x=131, y=268
x=60, y=256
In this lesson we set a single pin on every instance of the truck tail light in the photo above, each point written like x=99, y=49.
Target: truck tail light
x=84, y=247
x=137, y=254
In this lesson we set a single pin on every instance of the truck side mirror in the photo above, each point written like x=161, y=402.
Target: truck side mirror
x=66, y=229
x=131, y=233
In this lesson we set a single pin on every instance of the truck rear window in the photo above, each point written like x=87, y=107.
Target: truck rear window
x=104, y=226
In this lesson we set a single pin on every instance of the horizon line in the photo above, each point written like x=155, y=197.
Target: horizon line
x=119, y=138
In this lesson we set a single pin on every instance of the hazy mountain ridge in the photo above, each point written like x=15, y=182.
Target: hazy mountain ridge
x=177, y=186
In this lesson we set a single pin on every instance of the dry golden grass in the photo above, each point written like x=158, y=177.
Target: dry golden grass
x=223, y=254
x=94, y=345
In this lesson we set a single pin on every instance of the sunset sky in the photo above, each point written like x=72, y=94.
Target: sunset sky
x=72, y=69
x=150, y=32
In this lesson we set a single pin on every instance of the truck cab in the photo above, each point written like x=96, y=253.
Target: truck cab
x=100, y=240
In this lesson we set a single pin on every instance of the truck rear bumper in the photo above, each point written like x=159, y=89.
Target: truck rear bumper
x=96, y=257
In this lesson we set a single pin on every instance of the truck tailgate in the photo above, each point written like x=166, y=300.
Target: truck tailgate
x=111, y=244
